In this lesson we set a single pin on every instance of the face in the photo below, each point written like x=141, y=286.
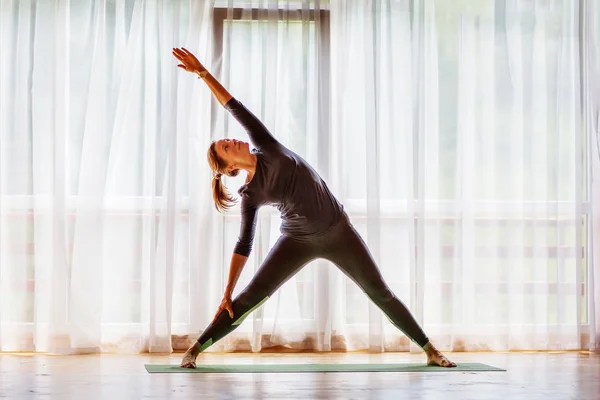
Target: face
x=232, y=151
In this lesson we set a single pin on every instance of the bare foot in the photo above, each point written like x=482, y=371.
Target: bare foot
x=435, y=357
x=189, y=358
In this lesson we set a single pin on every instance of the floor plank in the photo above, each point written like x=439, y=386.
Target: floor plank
x=560, y=375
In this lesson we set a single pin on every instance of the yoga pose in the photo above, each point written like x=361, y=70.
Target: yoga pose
x=314, y=225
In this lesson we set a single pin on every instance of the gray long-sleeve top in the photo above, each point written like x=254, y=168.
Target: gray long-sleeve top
x=285, y=180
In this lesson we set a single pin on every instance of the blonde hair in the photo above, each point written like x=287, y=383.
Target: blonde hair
x=221, y=196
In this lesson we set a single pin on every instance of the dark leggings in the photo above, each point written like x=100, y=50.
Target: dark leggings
x=341, y=245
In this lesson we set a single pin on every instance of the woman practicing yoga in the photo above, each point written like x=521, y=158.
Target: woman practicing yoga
x=314, y=225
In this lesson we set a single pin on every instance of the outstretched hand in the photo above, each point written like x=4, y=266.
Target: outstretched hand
x=189, y=62
x=225, y=305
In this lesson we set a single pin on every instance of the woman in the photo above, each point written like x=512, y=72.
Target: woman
x=314, y=225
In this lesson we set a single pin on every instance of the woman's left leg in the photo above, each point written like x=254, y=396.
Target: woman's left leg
x=284, y=260
x=351, y=254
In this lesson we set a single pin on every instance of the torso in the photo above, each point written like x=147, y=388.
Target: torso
x=284, y=180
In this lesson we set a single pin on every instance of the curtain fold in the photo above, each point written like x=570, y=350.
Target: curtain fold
x=461, y=137
x=591, y=102
x=96, y=130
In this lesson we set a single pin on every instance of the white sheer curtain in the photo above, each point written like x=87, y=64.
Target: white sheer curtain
x=456, y=146
x=97, y=173
x=463, y=165
x=451, y=131
x=591, y=102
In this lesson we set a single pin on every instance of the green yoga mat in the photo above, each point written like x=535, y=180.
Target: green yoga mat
x=250, y=368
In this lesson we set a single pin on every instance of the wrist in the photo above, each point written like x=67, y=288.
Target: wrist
x=202, y=73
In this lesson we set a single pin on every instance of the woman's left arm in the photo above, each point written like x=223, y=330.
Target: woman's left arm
x=258, y=133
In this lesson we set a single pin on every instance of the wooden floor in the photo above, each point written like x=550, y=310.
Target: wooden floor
x=570, y=375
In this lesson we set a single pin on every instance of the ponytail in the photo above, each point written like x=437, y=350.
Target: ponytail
x=221, y=196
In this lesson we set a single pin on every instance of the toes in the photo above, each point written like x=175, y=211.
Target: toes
x=448, y=364
x=442, y=362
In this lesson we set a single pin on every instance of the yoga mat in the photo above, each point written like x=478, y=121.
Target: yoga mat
x=273, y=368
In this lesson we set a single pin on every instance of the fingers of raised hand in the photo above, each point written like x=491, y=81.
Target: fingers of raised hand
x=179, y=54
x=189, y=54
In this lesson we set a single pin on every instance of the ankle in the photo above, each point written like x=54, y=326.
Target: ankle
x=196, y=348
x=431, y=350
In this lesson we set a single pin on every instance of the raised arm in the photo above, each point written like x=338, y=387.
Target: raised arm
x=190, y=63
x=258, y=133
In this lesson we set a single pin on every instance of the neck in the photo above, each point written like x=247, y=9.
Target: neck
x=249, y=165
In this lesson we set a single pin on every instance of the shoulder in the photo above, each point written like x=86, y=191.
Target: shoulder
x=271, y=152
x=248, y=197
x=245, y=194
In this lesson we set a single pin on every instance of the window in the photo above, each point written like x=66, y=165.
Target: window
x=275, y=62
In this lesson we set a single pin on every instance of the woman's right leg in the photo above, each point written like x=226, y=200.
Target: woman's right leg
x=350, y=253
x=286, y=258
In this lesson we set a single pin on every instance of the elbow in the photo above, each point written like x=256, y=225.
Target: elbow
x=243, y=248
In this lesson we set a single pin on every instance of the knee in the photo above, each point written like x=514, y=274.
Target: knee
x=382, y=295
x=251, y=296
x=244, y=306
x=242, y=302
